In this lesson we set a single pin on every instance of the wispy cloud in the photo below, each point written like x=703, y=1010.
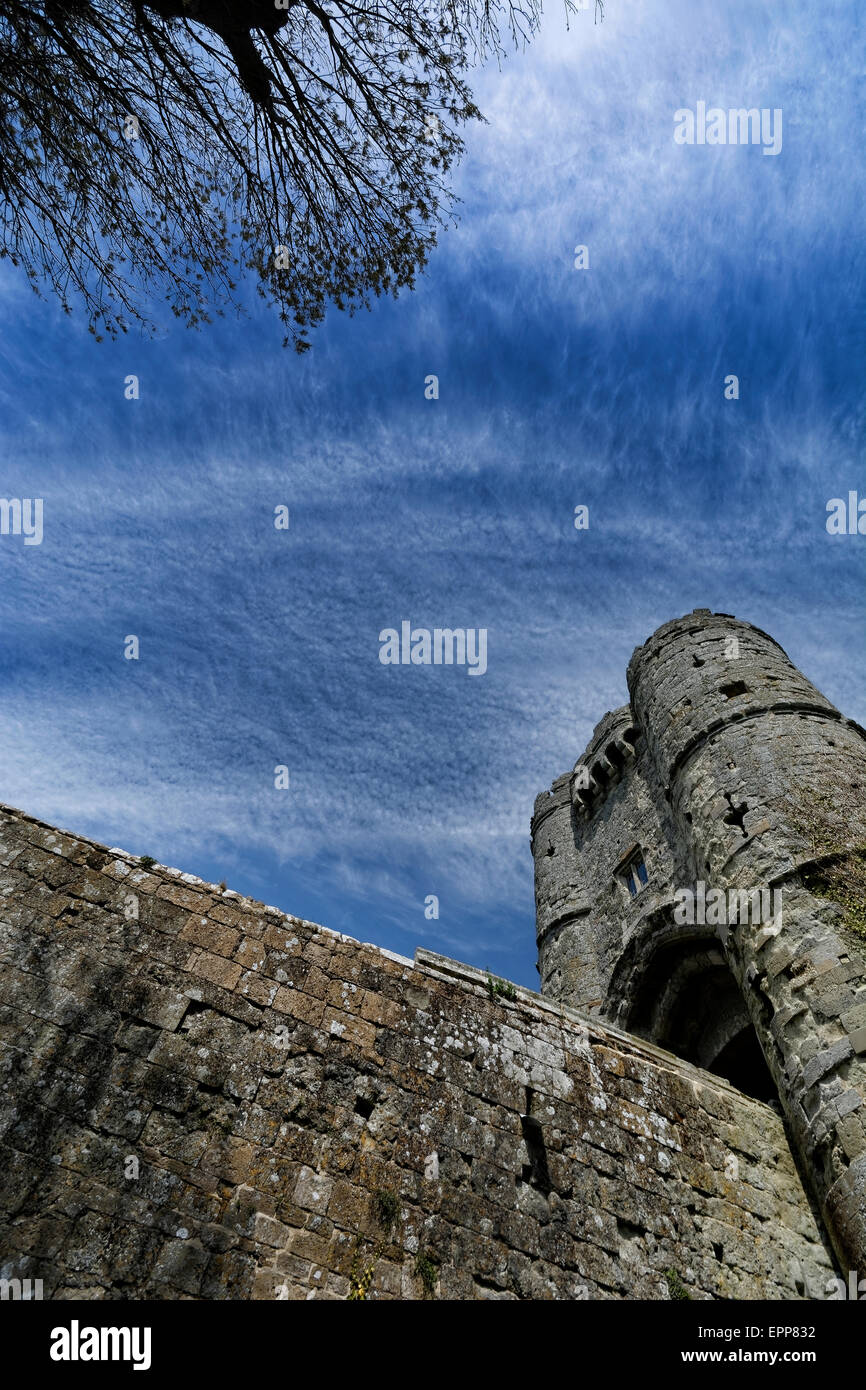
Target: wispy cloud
x=557, y=387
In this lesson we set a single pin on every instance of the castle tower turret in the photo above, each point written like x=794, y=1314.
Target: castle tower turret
x=728, y=774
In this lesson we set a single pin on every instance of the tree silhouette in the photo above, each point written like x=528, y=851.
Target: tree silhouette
x=166, y=146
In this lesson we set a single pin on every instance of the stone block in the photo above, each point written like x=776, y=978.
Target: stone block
x=826, y=1060
x=313, y=1190
x=217, y=969
x=214, y=937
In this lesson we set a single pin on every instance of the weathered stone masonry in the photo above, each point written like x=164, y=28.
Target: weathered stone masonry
x=201, y=1097
x=730, y=769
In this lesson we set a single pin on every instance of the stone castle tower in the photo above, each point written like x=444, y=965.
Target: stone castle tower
x=727, y=773
x=205, y=1097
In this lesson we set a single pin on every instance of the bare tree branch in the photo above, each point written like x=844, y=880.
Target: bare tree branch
x=167, y=146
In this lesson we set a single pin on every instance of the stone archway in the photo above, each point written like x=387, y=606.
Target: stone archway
x=675, y=989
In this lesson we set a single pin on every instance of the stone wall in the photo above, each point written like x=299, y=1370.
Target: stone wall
x=201, y=1097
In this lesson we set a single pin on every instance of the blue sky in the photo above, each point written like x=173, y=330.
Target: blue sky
x=558, y=387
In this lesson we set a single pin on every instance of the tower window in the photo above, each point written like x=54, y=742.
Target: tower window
x=634, y=874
